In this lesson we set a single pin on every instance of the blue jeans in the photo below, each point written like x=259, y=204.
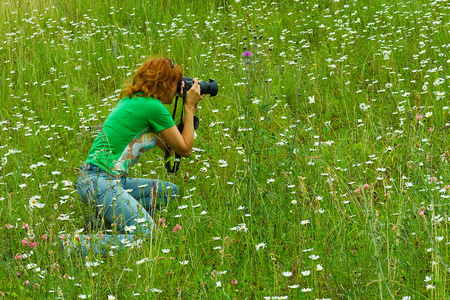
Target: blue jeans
x=127, y=203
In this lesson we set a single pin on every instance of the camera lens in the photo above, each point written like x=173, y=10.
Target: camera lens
x=206, y=87
x=209, y=87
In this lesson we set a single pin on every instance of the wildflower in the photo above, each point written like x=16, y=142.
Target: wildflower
x=140, y=262
x=260, y=245
x=365, y=186
x=222, y=163
x=364, y=106
x=218, y=284
x=34, y=203
x=32, y=244
x=234, y=281
x=422, y=212
x=111, y=297
x=430, y=287
x=184, y=262
x=9, y=226
x=319, y=267
x=247, y=54
x=293, y=286
x=304, y=222
x=428, y=114
x=162, y=222
x=165, y=250
x=239, y=227
x=89, y=264
x=314, y=257
x=306, y=273
x=30, y=233
x=311, y=99
x=130, y=228
x=439, y=81
x=176, y=228
x=287, y=274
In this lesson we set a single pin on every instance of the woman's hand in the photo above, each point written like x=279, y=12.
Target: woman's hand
x=183, y=142
x=193, y=96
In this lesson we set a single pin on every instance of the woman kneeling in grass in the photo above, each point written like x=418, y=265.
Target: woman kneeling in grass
x=137, y=123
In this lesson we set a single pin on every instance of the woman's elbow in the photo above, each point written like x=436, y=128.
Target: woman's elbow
x=185, y=153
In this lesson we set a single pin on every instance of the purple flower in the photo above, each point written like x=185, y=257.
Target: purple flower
x=247, y=54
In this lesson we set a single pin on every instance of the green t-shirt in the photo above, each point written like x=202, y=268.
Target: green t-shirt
x=128, y=132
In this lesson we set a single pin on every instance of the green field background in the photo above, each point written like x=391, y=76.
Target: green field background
x=320, y=170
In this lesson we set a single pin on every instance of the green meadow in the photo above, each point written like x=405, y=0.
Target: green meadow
x=320, y=170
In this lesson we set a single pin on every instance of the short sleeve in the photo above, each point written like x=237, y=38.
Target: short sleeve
x=159, y=117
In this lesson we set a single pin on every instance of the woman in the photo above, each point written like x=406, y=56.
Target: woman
x=137, y=123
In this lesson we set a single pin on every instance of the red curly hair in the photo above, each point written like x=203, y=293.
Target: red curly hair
x=155, y=78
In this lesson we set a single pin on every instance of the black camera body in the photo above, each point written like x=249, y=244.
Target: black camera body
x=206, y=87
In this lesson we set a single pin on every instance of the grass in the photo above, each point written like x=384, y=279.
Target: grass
x=320, y=170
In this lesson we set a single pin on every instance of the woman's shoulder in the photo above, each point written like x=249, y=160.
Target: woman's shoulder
x=144, y=98
x=140, y=98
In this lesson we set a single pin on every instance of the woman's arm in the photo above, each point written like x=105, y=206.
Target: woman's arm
x=161, y=144
x=182, y=143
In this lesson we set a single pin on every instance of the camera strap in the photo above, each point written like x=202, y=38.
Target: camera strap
x=172, y=169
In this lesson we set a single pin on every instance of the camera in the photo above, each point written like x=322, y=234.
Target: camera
x=206, y=87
